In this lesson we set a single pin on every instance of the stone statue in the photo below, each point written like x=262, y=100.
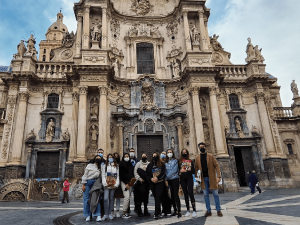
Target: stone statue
x=238, y=128
x=175, y=69
x=214, y=43
x=255, y=131
x=175, y=96
x=116, y=67
x=66, y=135
x=294, y=89
x=226, y=130
x=195, y=35
x=21, y=49
x=126, y=144
x=31, y=42
x=258, y=55
x=31, y=136
x=50, y=131
x=120, y=100
x=96, y=32
x=68, y=39
x=94, y=110
x=94, y=133
x=172, y=143
x=250, y=51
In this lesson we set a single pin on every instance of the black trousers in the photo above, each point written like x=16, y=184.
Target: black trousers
x=166, y=201
x=157, y=190
x=66, y=196
x=174, y=186
x=141, y=195
x=187, y=185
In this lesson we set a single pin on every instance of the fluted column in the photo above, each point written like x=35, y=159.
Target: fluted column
x=86, y=28
x=74, y=128
x=186, y=31
x=102, y=140
x=179, y=132
x=197, y=115
x=19, y=129
x=81, y=138
x=220, y=143
x=265, y=124
x=120, y=128
x=79, y=34
x=104, y=29
x=203, y=36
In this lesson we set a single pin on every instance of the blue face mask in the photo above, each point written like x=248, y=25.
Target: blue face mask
x=100, y=154
x=162, y=156
x=110, y=160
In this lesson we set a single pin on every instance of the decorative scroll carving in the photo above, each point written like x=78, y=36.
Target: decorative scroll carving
x=112, y=131
x=23, y=96
x=149, y=125
x=66, y=54
x=141, y=7
x=68, y=39
x=83, y=90
x=75, y=96
x=102, y=90
x=115, y=28
x=199, y=61
x=174, y=54
x=172, y=29
x=95, y=59
x=120, y=100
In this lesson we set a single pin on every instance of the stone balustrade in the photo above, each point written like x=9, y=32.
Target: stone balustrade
x=283, y=112
x=233, y=71
x=52, y=70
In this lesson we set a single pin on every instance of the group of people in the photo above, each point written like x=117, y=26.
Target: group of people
x=106, y=181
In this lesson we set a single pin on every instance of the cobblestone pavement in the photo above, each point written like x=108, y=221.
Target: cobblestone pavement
x=273, y=206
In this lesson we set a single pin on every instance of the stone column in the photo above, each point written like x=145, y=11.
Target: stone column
x=128, y=53
x=29, y=149
x=19, y=129
x=81, y=138
x=265, y=124
x=197, y=115
x=86, y=28
x=220, y=143
x=186, y=31
x=179, y=131
x=74, y=128
x=102, y=140
x=63, y=165
x=79, y=34
x=161, y=55
x=104, y=29
x=203, y=36
x=120, y=128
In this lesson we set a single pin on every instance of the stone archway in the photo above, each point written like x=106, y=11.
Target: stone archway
x=14, y=192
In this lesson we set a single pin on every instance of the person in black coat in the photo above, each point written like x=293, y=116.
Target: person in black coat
x=252, y=181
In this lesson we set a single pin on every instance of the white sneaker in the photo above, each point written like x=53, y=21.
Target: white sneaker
x=111, y=217
x=187, y=214
x=194, y=214
x=126, y=216
x=118, y=214
x=88, y=219
x=105, y=217
x=98, y=219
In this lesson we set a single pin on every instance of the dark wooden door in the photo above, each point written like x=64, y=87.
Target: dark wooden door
x=149, y=144
x=47, y=165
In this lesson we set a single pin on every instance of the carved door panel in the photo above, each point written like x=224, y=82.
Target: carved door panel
x=47, y=165
x=149, y=144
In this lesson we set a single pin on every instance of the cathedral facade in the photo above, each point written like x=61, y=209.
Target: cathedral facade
x=142, y=74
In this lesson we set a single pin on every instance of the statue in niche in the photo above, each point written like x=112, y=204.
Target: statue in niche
x=175, y=69
x=238, y=128
x=66, y=135
x=195, y=35
x=126, y=144
x=50, y=131
x=115, y=65
x=172, y=143
x=294, y=89
x=96, y=32
x=31, y=136
x=203, y=107
x=94, y=133
x=94, y=109
x=206, y=133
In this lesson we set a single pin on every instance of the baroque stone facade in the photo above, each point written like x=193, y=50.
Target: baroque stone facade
x=142, y=74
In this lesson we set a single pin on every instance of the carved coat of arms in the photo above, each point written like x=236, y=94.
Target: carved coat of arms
x=141, y=7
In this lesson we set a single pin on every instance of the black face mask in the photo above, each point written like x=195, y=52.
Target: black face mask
x=98, y=161
x=155, y=158
x=184, y=155
x=144, y=159
x=202, y=150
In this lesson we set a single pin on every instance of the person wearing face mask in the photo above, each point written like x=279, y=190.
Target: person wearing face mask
x=126, y=175
x=91, y=173
x=118, y=193
x=166, y=200
x=110, y=182
x=133, y=161
x=141, y=189
x=155, y=175
x=172, y=178
x=100, y=153
x=207, y=166
x=187, y=169
x=163, y=156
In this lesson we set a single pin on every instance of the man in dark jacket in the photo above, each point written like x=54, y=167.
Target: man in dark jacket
x=252, y=182
x=133, y=161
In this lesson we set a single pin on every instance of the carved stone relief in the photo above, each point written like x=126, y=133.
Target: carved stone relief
x=141, y=7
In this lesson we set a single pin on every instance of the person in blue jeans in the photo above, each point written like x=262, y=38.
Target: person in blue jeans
x=91, y=173
x=252, y=181
x=207, y=167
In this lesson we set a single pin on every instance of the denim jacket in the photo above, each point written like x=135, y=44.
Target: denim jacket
x=172, y=169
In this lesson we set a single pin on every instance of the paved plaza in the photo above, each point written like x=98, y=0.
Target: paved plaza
x=273, y=206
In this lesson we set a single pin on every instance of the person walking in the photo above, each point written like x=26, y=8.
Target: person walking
x=166, y=196
x=209, y=167
x=172, y=179
x=66, y=188
x=252, y=182
x=91, y=173
x=118, y=193
x=187, y=169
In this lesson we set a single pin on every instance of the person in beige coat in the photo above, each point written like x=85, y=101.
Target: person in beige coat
x=208, y=168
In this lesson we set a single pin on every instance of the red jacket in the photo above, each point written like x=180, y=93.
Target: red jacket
x=66, y=186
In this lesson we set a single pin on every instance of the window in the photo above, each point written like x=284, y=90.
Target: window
x=44, y=58
x=145, y=58
x=290, y=149
x=234, y=101
x=44, y=50
x=53, y=100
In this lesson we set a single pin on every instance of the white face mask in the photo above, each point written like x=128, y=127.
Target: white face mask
x=170, y=155
x=126, y=159
x=131, y=154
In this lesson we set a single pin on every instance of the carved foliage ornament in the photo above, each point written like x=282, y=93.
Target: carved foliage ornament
x=175, y=53
x=141, y=7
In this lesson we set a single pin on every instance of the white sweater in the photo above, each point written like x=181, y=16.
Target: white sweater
x=142, y=165
x=110, y=169
x=91, y=172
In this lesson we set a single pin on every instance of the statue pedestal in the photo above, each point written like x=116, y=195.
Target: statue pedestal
x=296, y=106
x=196, y=47
x=95, y=45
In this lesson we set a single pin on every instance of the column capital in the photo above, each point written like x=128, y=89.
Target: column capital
x=260, y=96
x=194, y=90
x=212, y=90
x=120, y=125
x=75, y=96
x=79, y=17
x=102, y=90
x=104, y=10
x=179, y=125
x=87, y=9
x=185, y=12
x=12, y=99
x=201, y=12
x=83, y=90
x=23, y=96
x=29, y=148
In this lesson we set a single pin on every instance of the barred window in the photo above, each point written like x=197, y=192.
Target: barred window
x=53, y=100
x=234, y=101
x=290, y=149
x=145, y=58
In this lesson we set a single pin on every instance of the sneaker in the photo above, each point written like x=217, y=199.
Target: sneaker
x=88, y=219
x=194, y=214
x=98, y=219
x=155, y=217
x=160, y=215
x=169, y=214
x=207, y=214
x=126, y=216
x=187, y=214
x=113, y=213
x=117, y=214
x=219, y=213
x=111, y=217
x=105, y=217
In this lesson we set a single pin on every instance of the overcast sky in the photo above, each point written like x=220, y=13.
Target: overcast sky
x=273, y=25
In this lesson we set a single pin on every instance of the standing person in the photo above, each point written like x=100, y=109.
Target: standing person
x=110, y=182
x=208, y=165
x=166, y=199
x=156, y=173
x=252, y=182
x=172, y=177
x=66, y=188
x=91, y=173
x=126, y=176
x=118, y=193
x=187, y=169
x=141, y=190
x=100, y=153
x=133, y=161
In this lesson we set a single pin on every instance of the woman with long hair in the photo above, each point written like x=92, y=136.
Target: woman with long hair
x=166, y=200
x=172, y=177
x=118, y=193
x=187, y=169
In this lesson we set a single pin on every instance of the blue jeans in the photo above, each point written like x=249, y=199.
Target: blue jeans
x=108, y=200
x=206, y=196
x=252, y=187
x=86, y=206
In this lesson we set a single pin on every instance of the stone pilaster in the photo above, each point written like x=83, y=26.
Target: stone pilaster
x=29, y=150
x=186, y=31
x=86, y=28
x=197, y=115
x=74, y=128
x=81, y=138
x=104, y=29
x=120, y=144
x=102, y=140
x=79, y=34
x=19, y=129
x=179, y=132
x=203, y=36
x=219, y=138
